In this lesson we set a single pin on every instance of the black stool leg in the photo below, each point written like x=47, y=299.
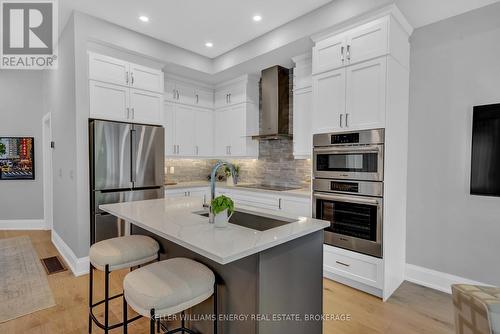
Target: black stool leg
x=106, y=298
x=152, y=322
x=91, y=287
x=125, y=316
x=216, y=310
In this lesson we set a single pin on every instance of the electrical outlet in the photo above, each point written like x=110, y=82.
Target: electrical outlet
x=172, y=170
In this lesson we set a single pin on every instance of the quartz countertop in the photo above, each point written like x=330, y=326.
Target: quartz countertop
x=302, y=192
x=174, y=219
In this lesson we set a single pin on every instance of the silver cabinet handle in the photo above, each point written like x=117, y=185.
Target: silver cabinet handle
x=132, y=78
x=128, y=112
x=343, y=264
x=126, y=77
x=197, y=99
x=197, y=149
x=178, y=95
x=340, y=122
x=348, y=52
x=229, y=147
x=346, y=118
x=279, y=204
x=229, y=97
x=133, y=112
x=175, y=148
x=342, y=54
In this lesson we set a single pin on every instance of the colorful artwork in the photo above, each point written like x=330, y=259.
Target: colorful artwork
x=17, y=158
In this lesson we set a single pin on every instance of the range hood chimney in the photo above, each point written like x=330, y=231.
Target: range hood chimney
x=275, y=117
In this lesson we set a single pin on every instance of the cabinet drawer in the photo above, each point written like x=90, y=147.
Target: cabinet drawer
x=358, y=267
x=253, y=201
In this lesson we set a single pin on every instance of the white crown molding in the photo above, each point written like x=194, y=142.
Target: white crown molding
x=79, y=266
x=23, y=224
x=435, y=279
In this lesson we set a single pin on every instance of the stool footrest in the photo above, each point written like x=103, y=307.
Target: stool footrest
x=101, y=326
x=180, y=329
x=104, y=300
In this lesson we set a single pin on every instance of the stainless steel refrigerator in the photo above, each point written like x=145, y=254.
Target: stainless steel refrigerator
x=126, y=164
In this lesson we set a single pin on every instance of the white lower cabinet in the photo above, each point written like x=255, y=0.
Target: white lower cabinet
x=364, y=271
x=201, y=192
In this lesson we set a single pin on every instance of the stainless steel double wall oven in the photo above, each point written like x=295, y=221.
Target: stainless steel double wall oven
x=348, y=170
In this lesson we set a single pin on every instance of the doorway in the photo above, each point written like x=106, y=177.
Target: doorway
x=47, y=170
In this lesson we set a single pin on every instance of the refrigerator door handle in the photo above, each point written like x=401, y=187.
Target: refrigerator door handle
x=133, y=154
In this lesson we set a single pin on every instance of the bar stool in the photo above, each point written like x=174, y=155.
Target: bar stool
x=168, y=287
x=115, y=254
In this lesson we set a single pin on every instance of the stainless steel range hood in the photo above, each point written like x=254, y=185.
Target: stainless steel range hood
x=275, y=116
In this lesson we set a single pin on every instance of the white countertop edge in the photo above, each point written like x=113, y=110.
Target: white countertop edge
x=218, y=259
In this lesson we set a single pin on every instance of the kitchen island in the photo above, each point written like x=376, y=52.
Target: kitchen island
x=269, y=281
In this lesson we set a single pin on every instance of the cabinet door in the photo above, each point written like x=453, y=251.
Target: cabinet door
x=184, y=130
x=204, y=98
x=237, y=93
x=221, y=98
x=108, y=101
x=221, y=132
x=329, y=54
x=108, y=69
x=204, y=132
x=186, y=93
x=366, y=95
x=146, y=78
x=169, y=124
x=367, y=41
x=329, y=101
x=236, y=118
x=302, y=131
x=146, y=107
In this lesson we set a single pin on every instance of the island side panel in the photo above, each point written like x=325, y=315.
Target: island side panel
x=291, y=282
x=237, y=288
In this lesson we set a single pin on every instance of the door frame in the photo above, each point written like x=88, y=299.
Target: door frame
x=47, y=171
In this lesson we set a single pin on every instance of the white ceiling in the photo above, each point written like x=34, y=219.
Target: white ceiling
x=191, y=23
x=423, y=12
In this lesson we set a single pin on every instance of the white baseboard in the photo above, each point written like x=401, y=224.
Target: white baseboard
x=23, y=224
x=435, y=279
x=79, y=266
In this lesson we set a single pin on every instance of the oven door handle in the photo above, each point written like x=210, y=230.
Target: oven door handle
x=350, y=149
x=352, y=199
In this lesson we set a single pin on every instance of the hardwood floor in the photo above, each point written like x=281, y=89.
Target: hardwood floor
x=412, y=309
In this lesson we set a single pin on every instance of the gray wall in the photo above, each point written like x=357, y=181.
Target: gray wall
x=455, y=64
x=21, y=113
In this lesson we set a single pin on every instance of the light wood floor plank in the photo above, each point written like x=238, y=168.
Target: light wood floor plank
x=412, y=310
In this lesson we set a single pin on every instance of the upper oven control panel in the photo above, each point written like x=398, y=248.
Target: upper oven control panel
x=364, y=137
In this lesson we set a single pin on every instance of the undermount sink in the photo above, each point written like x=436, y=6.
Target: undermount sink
x=253, y=221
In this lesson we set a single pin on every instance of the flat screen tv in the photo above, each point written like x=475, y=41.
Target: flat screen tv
x=485, y=168
x=17, y=158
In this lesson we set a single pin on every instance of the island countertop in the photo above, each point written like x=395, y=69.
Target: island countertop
x=174, y=219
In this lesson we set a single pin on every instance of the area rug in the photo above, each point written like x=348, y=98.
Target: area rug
x=24, y=288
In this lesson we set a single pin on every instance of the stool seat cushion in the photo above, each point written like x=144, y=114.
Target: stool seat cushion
x=169, y=286
x=123, y=252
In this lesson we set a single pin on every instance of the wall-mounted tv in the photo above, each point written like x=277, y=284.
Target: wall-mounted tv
x=17, y=158
x=485, y=167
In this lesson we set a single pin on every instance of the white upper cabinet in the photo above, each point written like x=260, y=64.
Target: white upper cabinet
x=108, y=101
x=329, y=101
x=145, y=106
x=184, y=130
x=123, y=91
x=366, y=95
x=240, y=90
x=302, y=106
x=146, y=78
x=180, y=91
x=367, y=41
x=108, y=69
x=351, y=94
x=204, y=132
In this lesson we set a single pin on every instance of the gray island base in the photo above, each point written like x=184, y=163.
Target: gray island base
x=275, y=291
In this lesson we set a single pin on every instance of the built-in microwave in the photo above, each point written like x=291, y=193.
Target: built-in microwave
x=349, y=155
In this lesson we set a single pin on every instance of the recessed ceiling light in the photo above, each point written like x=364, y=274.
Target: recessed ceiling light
x=144, y=18
x=209, y=44
x=257, y=18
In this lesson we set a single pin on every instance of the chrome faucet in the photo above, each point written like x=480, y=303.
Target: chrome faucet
x=216, y=167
